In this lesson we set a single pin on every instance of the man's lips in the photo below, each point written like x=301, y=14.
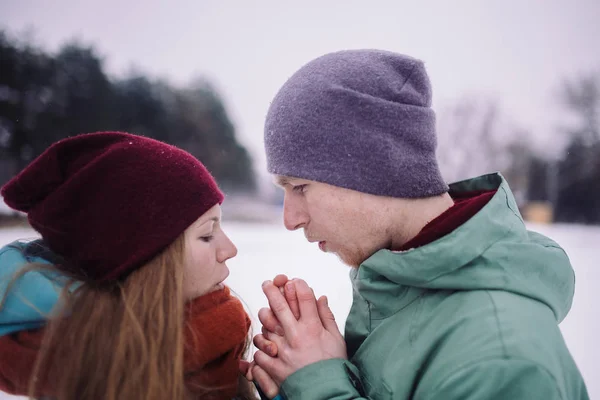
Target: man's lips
x=322, y=243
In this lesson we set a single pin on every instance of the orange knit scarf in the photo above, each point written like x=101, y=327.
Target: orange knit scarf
x=215, y=338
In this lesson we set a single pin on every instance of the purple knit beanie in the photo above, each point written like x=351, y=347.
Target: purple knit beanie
x=358, y=119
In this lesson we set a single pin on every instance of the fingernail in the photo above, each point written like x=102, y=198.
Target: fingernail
x=279, y=330
x=269, y=349
x=289, y=287
x=326, y=301
x=265, y=282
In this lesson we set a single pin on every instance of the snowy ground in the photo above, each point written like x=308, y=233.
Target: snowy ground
x=265, y=250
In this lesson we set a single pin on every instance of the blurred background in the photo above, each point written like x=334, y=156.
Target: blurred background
x=516, y=88
x=516, y=83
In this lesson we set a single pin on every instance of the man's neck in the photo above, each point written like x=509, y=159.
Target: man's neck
x=413, y=215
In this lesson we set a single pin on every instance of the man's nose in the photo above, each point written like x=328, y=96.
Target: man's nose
x=294, y=215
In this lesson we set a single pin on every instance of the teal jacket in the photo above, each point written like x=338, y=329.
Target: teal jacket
x=473, y=315
x=34, y=295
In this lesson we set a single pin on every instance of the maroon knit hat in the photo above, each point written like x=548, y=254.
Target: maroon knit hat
x=107, y=202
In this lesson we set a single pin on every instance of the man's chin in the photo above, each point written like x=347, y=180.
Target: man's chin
x=354, y=260
x=351, y=262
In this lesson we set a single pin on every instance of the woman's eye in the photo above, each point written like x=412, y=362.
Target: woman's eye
x=207, y=238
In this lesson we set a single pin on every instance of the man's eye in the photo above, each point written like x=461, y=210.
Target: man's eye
x=299, y=188
x=207, y=238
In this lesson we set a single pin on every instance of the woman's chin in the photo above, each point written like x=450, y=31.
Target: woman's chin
x=218, y=286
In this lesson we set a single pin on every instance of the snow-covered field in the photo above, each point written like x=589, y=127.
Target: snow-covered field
x=266, y=250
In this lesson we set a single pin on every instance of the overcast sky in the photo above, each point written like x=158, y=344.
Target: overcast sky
x=517, y=50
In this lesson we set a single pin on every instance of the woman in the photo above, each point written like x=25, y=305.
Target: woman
x=131, y=238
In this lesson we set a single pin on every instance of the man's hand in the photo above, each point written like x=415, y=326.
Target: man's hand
x=266, y=316
x=250, y=370
x=254, y=373
x=269, y=321
x=309, y=335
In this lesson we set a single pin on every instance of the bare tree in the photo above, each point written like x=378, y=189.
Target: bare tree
x=474, y=139
x=578, y=189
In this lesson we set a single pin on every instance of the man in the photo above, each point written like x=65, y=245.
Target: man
x=453, y=297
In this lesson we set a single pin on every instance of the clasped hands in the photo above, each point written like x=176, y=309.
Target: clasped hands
x=297, y=330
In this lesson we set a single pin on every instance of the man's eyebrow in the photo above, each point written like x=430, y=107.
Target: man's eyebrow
x=282, y=180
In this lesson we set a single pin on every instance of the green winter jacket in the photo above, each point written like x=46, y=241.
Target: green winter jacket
x=473, y=315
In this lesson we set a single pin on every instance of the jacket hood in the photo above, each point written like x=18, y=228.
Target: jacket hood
x=491, y=251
